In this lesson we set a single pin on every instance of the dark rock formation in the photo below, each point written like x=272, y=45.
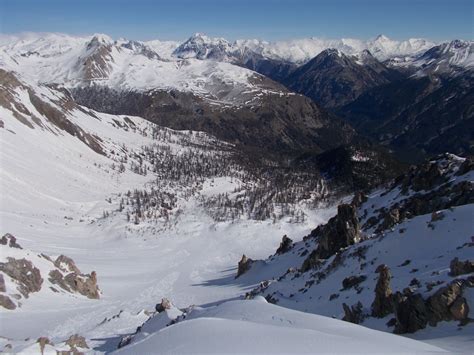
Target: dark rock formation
x=353, y=314
x=24, y=273
x=358, y=199
x=10, y=240
x=163, y=306
x=458, y=267
x=448, y=304
x=381, y=305
x=285, y=245
x=2, y=284
x=6, y=302
x=244, y=265
x=411, y=312
x=340, y=232
x=43, y=341
x=352, y=281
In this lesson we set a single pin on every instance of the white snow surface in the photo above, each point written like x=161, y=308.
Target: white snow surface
x=255, y=326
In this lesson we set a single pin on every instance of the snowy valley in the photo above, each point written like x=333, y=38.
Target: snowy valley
x=135, y=176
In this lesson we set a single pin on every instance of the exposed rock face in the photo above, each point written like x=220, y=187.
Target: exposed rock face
x=163, y=306
x=285, y=245
x=352, y=281
x=382, y=303
x=448, y=304
x=2, y=284
x=340, y=232
x=22, y=271
x=10, y=240
x=85, y=284
x=244, y=265
x=458, y=267
x=76, y=341
x=66, y=264
x=411, y=313
x=74, y=280
x=391, y=218
x=358, y=199
x=6, y=302
x=43, y=341
x=353, y=314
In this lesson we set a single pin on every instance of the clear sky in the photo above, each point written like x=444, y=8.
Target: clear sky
x=232, y=19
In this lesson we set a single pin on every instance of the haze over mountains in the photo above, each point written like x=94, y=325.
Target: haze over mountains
x=136, y=174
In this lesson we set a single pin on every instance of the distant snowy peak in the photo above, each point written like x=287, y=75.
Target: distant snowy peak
x=201, y=46
x=296, y=51
x=446, y=58
x=302, y=50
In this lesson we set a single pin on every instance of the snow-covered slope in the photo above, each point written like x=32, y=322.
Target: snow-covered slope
x=302, y=50
x=122, y=65
x=446, y=58
x=255, y=326
x=416, y=229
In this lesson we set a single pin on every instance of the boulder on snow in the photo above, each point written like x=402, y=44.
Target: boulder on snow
x=76, y=341
x=244, y=265
x=24, y=273
x=352, y=281
x=6, y=302
x=447, y=303
x=10, y=240
x=163, y=306
x=285, y=245
x=381, y=306
x=458, y=267
x=43, y=341
x=353, y=314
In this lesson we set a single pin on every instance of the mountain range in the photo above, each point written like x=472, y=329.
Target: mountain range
x=136, y=174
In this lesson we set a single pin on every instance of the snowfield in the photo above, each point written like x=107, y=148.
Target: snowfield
x=255, y=326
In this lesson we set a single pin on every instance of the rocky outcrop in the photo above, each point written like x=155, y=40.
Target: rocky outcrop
x=381, y=306
x=10, y=240
x=74, y=280
x=76, y=341
x=244, y=265
x=353, y=314
x=163, y=305
x=285, y=245
x=24, y=273
x=340, y=232
x=448, y=302
x=352, y=281
x=43, y=341
x=458, y=267
x=66, y=264
x=6, y=302
x=411, y=312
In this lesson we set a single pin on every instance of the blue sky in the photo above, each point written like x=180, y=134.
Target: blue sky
x=264, y=19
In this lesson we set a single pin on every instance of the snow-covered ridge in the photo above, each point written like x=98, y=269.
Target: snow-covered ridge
x=419, y=231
